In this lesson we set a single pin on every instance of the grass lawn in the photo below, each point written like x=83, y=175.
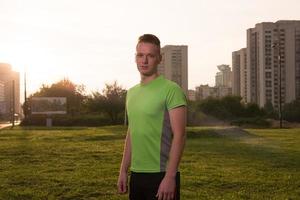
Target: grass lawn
x=83, y=163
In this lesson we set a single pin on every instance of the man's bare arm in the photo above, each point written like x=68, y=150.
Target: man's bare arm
x=126, y=160
x=178, y=124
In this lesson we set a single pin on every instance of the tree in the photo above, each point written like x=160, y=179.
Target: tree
x=230, y=107
x=233, y=105
x=110, y=102
x=291, y=111
x=65, y=88
x=213, y=106
x=270, y=111
x=253, y=110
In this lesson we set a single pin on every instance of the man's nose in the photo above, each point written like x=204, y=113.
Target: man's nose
x=145, y=59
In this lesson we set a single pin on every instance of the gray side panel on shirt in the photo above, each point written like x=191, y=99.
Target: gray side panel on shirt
x=166, y=140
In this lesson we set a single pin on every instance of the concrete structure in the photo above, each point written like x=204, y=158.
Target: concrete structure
x=239, y=73
x=174, y=65
x=267, y=45
x=205, y=91
x=192, y=95
x=8, y=78
x=223, y=91
x=222, y=87
x=223, y=77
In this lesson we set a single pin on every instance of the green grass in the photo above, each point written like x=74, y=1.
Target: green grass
x=83, y=163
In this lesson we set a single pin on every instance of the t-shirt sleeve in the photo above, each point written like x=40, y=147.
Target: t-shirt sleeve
x=175, y=97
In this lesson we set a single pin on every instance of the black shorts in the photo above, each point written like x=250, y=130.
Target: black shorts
x=144, y=186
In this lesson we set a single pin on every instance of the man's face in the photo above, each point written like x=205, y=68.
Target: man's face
x=147, y=58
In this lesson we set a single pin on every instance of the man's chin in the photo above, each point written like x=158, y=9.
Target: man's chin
x=147, y=73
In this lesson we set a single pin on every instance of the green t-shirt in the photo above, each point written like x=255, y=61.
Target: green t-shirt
x=149, y=124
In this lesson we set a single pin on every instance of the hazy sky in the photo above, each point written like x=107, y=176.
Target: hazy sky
x=92, y=42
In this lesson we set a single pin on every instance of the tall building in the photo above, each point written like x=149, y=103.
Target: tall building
x=2, y=99
x=271, y=47
x=2, y=91
x=239, y=73
x=8, y=79
x=174, y=64
x=223, y=77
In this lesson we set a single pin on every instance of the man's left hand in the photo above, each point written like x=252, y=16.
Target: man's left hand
x=166, y=190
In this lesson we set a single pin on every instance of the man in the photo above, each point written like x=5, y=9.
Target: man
x=155, y=138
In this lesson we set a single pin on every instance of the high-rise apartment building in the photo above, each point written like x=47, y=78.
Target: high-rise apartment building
x=273, y=59
x=2, y=98
x=9, y=82
x=174, y=64
x=239, y=73
x=223, y=77
x=2, y=91
x=223, y=81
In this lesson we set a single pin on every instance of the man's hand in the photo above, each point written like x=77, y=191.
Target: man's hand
x=166, y=190
x=122, y=183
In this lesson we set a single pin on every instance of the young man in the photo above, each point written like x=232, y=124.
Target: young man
x=155, y=138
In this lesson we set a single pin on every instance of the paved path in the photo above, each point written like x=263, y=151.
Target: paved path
x=4, y=125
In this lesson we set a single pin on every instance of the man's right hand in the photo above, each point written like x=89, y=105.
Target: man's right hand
x=122, y=183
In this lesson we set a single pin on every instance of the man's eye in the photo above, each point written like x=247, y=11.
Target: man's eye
x=139, y=55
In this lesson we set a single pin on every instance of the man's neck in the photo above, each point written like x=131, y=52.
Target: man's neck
x=147, y=79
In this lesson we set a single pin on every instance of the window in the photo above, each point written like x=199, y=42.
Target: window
x=268, y=75
x=268, y=83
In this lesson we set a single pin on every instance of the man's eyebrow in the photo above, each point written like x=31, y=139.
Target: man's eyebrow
x=139, y=53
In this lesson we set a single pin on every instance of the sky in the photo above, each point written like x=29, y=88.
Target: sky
x=92, y=42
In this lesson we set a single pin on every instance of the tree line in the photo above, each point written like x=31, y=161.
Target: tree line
x=108, y=107
x=235, y=111
x=98, y=108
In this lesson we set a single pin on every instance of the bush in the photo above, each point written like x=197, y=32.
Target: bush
x=230, y=108
x=291, y=111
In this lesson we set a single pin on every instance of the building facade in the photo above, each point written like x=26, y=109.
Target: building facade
x=273, y=59
x=2, y=99
x=223, y=77
x=9, y=91
x=174, y=64
x=239, y=73
x=205, y=91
